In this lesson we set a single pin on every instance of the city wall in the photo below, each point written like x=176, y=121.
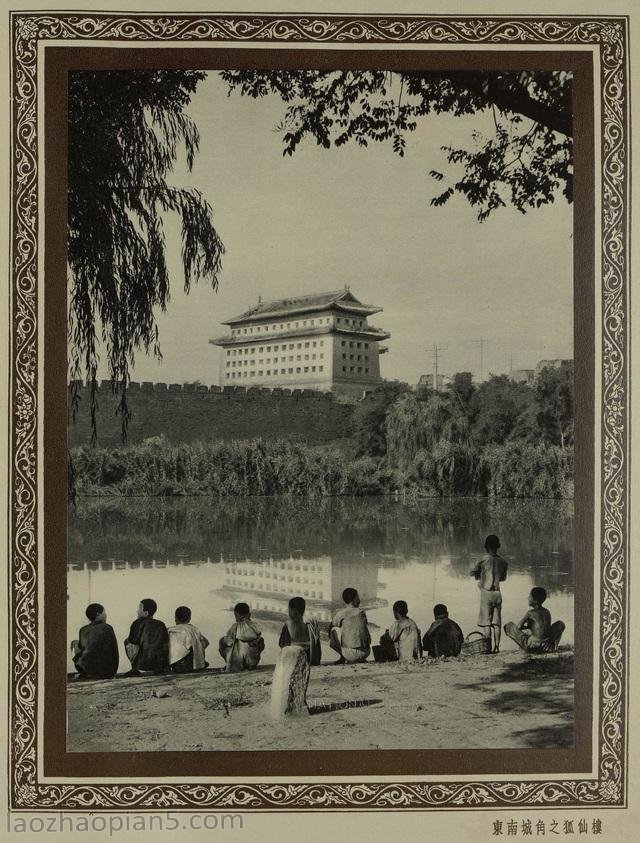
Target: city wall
x=193, y=413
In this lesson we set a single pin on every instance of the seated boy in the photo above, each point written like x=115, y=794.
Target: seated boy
x=444, y=637
x=243, y=644
x=186, y=644
x=96, y=651
x=349, y=635
x=535, y=633
x=401, y=642
x=304, y=634
x=147, y=644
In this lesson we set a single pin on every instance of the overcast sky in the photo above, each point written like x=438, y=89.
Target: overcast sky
x=325, y=218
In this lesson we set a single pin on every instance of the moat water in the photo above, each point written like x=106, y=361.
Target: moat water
x=211, y=553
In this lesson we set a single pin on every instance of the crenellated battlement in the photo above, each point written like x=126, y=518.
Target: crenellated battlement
x=190, y=412
x=106, y=386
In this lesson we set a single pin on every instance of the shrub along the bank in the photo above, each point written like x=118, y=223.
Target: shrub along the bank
x=521, y=470
x=235, y=468
x=284, y=468
x=512, y=470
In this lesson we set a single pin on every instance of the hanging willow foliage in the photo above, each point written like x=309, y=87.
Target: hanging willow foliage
x=412, y=426
x=126, y=130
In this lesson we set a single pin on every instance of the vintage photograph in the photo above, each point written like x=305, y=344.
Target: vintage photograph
x=319, y=400
x=320, y=409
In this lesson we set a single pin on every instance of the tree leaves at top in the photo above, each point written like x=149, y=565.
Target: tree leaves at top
x=526, y=161
x=126, y=130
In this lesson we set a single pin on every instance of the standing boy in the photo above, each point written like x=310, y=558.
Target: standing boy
x=349, y=635
x=535, y=633
x=147, y=644
x=95, y=654
x=489, y=573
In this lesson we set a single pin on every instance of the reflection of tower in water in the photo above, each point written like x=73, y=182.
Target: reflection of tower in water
x=268, y=585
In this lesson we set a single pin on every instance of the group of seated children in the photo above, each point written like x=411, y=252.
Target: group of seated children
x=349, y=634
x=350, y=638
x=151, y=647
x=403, y=642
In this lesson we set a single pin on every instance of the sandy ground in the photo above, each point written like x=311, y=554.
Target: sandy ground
x=503, y=701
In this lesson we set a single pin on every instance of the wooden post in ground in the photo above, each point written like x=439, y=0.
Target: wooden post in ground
x=290, y=682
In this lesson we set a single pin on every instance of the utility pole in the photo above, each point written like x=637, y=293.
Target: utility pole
x=435, y=352
x=481, y=343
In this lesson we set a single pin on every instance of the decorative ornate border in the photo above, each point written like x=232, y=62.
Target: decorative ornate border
x=610, y=36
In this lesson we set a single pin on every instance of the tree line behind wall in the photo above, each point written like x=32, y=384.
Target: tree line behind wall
x=499, y=439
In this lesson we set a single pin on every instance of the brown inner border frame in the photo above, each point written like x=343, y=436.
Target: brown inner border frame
x=56, y=760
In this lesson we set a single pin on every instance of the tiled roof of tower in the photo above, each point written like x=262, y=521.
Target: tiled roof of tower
x=343, y=299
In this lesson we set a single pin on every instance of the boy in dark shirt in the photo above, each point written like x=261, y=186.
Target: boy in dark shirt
x=535, y=633
x=147, y=644
x=96, y=651
x=444, y=637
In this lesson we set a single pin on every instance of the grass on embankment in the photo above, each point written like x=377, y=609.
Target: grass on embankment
x=154, y=467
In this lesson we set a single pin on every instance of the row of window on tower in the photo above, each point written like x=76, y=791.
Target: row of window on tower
x=238, y=352
x=301, y=323
x=274, y=372
x=357, y=370
x=352, y=344
x=231, y=364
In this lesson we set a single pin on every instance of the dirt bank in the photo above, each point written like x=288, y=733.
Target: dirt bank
x=506, y=701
